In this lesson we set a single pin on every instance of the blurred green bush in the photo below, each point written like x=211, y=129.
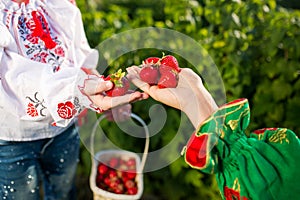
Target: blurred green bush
x=256, y=46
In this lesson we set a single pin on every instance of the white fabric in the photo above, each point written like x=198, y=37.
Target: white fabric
x=36, y=81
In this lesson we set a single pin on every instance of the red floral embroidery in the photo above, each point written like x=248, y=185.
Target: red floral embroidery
x=33, y=40
x=59, y=51
x=66, y=110
x=41, y=30
x=31, y=110
x=56, y=69
x=40, y=43
x=40, y=57
x=30, y=24
x=36, y=106
x=231, y=194
x=260, y=131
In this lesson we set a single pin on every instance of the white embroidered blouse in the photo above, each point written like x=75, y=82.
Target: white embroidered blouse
x=42, y=49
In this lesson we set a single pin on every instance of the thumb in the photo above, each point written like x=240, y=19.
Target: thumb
x=104, y=86
x=94, y=87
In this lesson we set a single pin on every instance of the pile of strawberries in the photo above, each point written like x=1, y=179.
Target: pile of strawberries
x=162, y=72
x=117, y=176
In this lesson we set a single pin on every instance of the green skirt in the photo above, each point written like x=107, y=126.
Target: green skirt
x=262, y=165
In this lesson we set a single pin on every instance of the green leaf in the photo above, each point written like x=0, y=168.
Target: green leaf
x=281, y=90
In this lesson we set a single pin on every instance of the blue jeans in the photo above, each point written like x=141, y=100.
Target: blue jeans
x=50, y=163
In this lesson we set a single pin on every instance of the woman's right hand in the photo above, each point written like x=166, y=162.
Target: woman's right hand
x=190, y=95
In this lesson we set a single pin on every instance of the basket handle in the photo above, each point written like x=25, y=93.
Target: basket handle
x=146, y=148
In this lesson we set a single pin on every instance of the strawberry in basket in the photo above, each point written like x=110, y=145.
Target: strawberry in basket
x=117, y=175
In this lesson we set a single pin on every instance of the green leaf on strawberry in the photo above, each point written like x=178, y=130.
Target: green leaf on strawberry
x=120, y=84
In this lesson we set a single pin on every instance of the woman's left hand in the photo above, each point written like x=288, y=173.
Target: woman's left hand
x=95, y=90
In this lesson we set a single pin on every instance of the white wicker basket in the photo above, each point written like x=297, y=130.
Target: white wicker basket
x=104, y=155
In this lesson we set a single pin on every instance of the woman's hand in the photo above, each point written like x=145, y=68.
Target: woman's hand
x=190, y=95
x=95, y=89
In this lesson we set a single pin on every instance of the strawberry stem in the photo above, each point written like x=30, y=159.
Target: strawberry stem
x=116, y=78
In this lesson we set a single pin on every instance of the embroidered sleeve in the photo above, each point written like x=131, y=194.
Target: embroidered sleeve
x=45, y=80
x=64, y=96
x=246, y=167
x=208, y=145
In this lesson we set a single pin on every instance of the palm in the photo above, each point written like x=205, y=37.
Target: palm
x=184, y=93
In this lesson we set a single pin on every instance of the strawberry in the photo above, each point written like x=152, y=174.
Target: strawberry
x=149, y=74
x=130, y=174
x=119, y=189
x=170, y=61
x=151, y=60
x=119, y=180
x=163, y=69
x=168, y=80
x=121, y=84
x=131, y=163
x=129, y=184
x=112, y=174
x=107, y=180
x=114, y=182
x=102, y=169
x=132, y=191
x=99, y=179
x=113, y=162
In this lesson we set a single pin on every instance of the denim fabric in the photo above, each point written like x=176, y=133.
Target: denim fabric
x=50, y=163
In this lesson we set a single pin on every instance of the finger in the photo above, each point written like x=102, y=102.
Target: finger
x=111, y=102
x=133, y=76
x=104, y=86
x=133, y=72
x=96, y=86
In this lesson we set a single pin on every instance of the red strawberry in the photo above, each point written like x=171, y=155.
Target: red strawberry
x=132, y=191
x=102, y=169
x=129, y=184
x=131, y=163
x=170, y=61
x=113, y=162
x=114, y=182
x=107, y=181
x=119, y=189
x=168, y=80
x=121, y=84
x=130, y=174
x=151, y=60
x=149, y=74
x=112, y=174
x=99, y=179
x=163, y=69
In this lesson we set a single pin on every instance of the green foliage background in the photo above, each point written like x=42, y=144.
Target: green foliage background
x=256, y=47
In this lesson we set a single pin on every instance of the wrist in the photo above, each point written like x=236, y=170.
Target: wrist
x=200, y=106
